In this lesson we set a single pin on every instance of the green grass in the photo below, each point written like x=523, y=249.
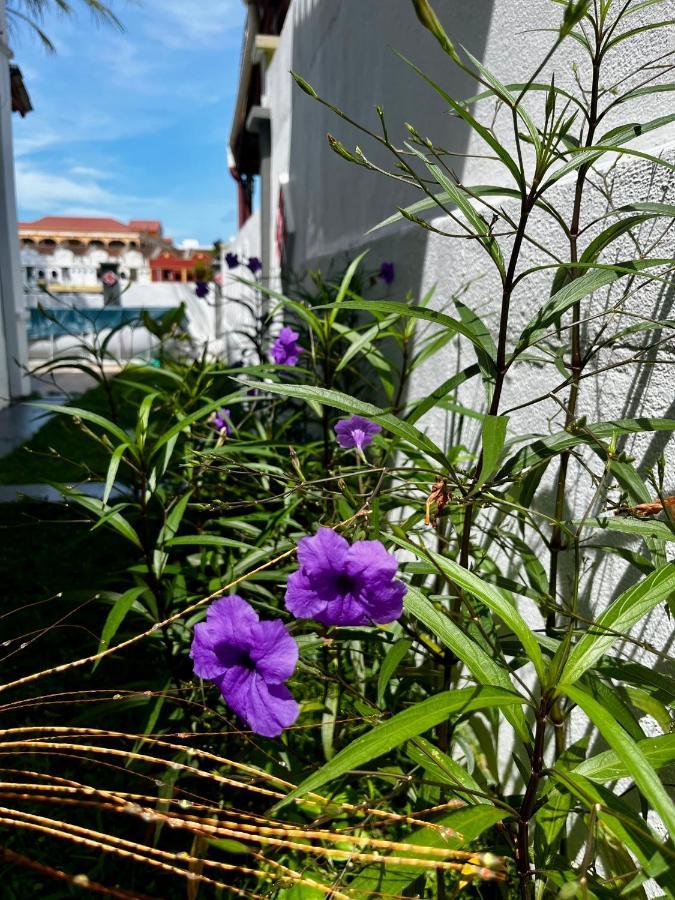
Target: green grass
x=61, y=450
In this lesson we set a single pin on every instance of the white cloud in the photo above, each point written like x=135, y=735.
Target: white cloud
x=47, y=192
x=178, y=24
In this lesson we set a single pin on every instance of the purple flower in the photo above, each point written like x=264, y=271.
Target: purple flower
x=232, y=260
x=285, y=350
x=356, y=432
x=201, y=289
x=221, y=421
x=248, y=660
x=254, y=264
x=386, y=272
x=339, y=584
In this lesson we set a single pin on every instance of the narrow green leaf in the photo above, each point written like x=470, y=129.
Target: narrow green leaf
x=576, y=290
x=618, y=619
x=483, y=667
x=346, y=403
x=645, y=528
x=113, y=467
x=491, y=596
x=494, y=435
x=395, y=655
x=462, y=201
x=87, y=416
x=116, y=616
x=544, y=448
x=441, y=767
x=422, y=406
x=105, y=514
x=481, y=130
x=642, y=773
x=659, y=751
x=404, y=725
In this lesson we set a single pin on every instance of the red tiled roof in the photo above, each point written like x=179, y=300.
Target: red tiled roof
x=145, y=224
x=76, y=223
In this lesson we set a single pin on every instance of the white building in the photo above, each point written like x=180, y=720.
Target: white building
x=314, y=208
x=65, y=253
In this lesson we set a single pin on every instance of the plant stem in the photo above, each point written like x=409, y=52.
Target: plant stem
x=527, y=808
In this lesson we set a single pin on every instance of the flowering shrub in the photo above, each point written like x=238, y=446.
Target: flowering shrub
x=422, y=693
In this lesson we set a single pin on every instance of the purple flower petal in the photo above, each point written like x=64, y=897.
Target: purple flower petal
x=341, y=585
x=356, y=432
x=247, y=659
x=386, y=272
x=274, y=652
x=325, y=550
x=266, y=708
x=285, y=350
x=232, y=260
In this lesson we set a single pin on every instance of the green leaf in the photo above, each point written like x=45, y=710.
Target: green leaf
x=116, y=616
x=88, y=416
x=612, y=141
x=639, y=768
x=576, y=290
x=395, y=655
x=113, y=467
x=491, y=596
x=443, y=768
x=644, y=528
x=107, y=515
x=494, y=435
x=462, y=201
x=608, y=766
x=422, y=406
x=361, y=342
x=481, y=130
x=346, y=403
x=414, y=312
x=481, y=665
x=618, y=619
x=187, y=421
x=544, y=448
x=463, y=827
x=344, y=285
x=404, y=725
x=626, y=35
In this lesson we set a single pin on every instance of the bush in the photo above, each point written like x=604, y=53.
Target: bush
x=431, y=748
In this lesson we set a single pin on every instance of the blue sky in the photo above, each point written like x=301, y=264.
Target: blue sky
x=132, y=124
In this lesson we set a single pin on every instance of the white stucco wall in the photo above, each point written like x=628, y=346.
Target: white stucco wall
x=14, y=382
x=345, y=50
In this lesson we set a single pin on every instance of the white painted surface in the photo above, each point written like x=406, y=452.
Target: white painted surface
x=13, y=346
x=344, y=49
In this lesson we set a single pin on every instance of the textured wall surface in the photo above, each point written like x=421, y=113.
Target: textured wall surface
x=345, y=50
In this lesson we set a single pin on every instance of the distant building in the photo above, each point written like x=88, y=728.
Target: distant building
x=183, y=264
x=65, y=253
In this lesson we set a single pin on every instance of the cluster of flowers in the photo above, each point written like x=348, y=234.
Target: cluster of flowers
x=337, y=584
x=250, y=660
x=233, y=262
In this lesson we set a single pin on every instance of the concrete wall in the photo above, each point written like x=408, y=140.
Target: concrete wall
x=345, y=50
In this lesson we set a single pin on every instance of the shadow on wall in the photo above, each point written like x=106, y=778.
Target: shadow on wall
x=347, y=52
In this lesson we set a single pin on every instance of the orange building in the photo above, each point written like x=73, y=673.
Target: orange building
x=171, y=265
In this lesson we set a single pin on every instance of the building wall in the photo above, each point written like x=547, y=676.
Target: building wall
x=65, y=267
x=13, y=346
x=345, y=51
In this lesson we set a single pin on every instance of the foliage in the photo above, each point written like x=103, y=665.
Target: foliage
x=440, y=753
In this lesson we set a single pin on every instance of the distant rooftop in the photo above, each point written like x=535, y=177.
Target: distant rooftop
x=91, y=224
